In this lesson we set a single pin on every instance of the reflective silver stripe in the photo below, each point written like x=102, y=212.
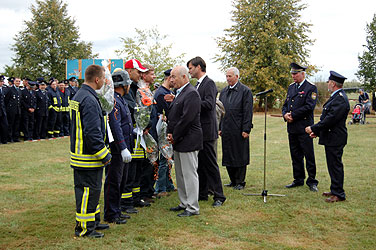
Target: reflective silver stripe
x=85, y=217
x=86, y=164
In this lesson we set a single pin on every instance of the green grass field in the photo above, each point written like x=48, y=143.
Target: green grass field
x=38, y=208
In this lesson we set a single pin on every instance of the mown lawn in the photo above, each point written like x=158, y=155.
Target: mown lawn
x=38, y=209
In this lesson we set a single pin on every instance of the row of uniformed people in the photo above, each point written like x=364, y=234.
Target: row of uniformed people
x=36, y=110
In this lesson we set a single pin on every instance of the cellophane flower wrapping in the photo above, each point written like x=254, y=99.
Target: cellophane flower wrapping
x=144, y=99
x=165, y=147
x=106, y=93
x=151, y=148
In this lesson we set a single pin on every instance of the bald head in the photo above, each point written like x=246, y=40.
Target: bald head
x=179, y=76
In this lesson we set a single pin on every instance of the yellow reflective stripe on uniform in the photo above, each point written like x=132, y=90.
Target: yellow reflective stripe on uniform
x=105, y=127
x=84, y=203
x=50, y=107
x=56, y=131
x=55, y=100
x=85, y=217
x=83, y=157
x=86, y=164
x=138, y=153
x=98, y=210
x=101, y=154
x=50, y=132
x=79, y=137
x=136, y=190
x=126, y=195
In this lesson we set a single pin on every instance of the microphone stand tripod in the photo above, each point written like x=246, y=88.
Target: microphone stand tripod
x=264, y=193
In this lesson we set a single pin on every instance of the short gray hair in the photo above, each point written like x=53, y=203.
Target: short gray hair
x=234, y=70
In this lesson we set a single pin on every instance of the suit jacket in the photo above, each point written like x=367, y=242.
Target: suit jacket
x=28, y=100
x=301, y=102
x=42, y=103
x=332, y=125
x=3, y=111
x=184, y=121
x=208, y=93
x=13, y=100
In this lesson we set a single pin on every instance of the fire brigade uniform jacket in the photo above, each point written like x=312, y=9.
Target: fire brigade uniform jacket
x=89, y=153
x=53, y=125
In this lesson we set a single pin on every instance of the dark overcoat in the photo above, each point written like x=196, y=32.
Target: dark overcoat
x=238, y=103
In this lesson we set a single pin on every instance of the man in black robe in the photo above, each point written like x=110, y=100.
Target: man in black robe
x=235, y=127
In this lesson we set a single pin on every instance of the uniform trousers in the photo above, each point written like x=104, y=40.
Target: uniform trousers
x=208, y=172
x=3, y=129
x=87, y=189
x=131, y=191
x=147, y=179
x=13, y=127
x=116, y=176
x=186, y=164
x=335, y=169
x=237, y=175
x=52, y=118
x=301, y=146
x=64, y=126
x=27, y=124
x=40, y=127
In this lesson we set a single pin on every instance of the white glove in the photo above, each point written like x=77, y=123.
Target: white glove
x=126, y=155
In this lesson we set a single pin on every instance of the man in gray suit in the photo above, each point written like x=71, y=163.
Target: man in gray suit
x=185, y=133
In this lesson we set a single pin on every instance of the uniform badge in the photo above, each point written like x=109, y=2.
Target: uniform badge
x=314, y=95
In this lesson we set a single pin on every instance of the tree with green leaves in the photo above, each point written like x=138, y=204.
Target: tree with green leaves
x=267, y=35
x=50, y=37
x=367, y=61
x=148, y=47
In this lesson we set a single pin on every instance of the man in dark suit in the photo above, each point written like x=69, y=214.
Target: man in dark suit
x=3, y=114
x=185, y=133
x=235, y=128
x=12, y=101
x=297, y=111
x=333, y=134
x=208, y=170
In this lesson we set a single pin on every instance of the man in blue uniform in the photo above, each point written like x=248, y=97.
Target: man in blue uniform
x=297, y=111
x=89, y=152
x=3, y=114
x=28, y=105
x=53, y=124
x=64, y=110
x=122, y=130
x=41, y=112
x=12, y=101
x=333, y=134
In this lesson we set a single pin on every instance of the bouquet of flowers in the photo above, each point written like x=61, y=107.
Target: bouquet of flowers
x=106, y=93
x=164, y=145
x=151, y=148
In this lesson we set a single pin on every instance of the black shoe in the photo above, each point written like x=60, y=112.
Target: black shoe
x=94, y=234
x=130, y=210
x=313, y=188
x=217, y=203
x=186, y=213
x=176, y=209
x=238, y=187
x=102, y=227
x=294, y=184
x=229, y=185
x=125, y=216
x=142, y=203
x=118, y=221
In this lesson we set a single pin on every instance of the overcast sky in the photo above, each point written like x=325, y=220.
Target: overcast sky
x=338, y=28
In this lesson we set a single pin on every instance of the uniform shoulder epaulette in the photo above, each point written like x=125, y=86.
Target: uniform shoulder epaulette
x=340, y=93
x=292, y=83
x=310, y=82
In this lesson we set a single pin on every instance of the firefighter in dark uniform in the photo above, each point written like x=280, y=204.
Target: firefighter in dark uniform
x=64, y=111
x=41, y=113
x=333, y=134
x=121, y=125
x=3, y=113
x=28, y=106
x=12, y=101
x=72, y=87
x=53, y=125
x=131, y=196
x=297, y=111
x=89, y=152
